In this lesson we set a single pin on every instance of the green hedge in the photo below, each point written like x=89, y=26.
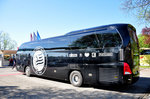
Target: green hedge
x=144, y=66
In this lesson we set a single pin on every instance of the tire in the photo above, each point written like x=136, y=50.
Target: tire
x=28, y=71
x=76, y=78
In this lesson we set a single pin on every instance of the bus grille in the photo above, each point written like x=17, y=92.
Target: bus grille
x=108, y=75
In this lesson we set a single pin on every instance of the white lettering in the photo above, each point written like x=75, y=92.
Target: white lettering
x=73, y=55
x=105, y=54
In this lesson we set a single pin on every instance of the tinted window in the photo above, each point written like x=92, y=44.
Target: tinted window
x=145, y=52
x=61, y=42
x=109, y=38
x=58, y=42
x=97, y=39
x=83, y=41
x=133, y=40
x=132, y=34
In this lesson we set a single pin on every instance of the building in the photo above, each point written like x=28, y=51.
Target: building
x=5, y=55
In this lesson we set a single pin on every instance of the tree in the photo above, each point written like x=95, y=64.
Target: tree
x=142, y=43
x=6, y=43
x=144, y=38
x=146, y=34
x=141, y=8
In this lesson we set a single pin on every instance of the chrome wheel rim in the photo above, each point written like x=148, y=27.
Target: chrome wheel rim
x=75, y=79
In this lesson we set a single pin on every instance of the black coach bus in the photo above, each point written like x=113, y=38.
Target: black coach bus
x=101, y=55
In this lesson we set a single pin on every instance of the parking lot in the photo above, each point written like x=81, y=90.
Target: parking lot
x=15, y=85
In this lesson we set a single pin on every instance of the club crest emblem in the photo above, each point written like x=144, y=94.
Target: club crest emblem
x=39, y=61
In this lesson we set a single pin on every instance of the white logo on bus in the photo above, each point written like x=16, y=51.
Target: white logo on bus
x=87, y=54
x=80, y=55
x=39, y=65
x=93, y=54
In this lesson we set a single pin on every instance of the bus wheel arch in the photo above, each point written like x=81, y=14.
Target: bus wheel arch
x=76, y=78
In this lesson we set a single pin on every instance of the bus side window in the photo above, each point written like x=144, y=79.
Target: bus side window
x=61, y=43
x=84, y=41
x=109, y=38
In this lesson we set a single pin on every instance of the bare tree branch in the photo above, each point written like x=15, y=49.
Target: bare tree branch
x=140, y=7
x=6, y=43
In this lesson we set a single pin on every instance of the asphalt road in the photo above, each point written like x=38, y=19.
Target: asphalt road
x=14, y=85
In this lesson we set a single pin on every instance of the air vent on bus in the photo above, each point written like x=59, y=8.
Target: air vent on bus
x=108, y=75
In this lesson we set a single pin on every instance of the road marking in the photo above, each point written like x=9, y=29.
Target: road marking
x=12, y=74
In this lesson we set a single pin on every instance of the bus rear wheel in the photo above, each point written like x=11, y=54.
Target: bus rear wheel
x=28, y=71
x=76, y=78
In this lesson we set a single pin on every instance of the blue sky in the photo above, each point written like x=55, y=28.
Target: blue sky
x=52, y=18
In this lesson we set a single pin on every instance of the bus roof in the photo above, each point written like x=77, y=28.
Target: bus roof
x=104, y=27
x=100, y=28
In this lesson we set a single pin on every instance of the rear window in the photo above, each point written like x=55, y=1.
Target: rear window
x=145, y=52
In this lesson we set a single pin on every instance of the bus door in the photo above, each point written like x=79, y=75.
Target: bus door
x=57, y=58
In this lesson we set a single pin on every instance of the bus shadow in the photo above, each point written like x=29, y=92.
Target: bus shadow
x=52, y=79
x=141, y=86
x=13, y=92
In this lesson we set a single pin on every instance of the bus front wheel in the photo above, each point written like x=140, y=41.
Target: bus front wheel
x=76, y=78
x=28, y=71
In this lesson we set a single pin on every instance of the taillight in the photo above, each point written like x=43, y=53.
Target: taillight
x=127, y=70
x=141, y=57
